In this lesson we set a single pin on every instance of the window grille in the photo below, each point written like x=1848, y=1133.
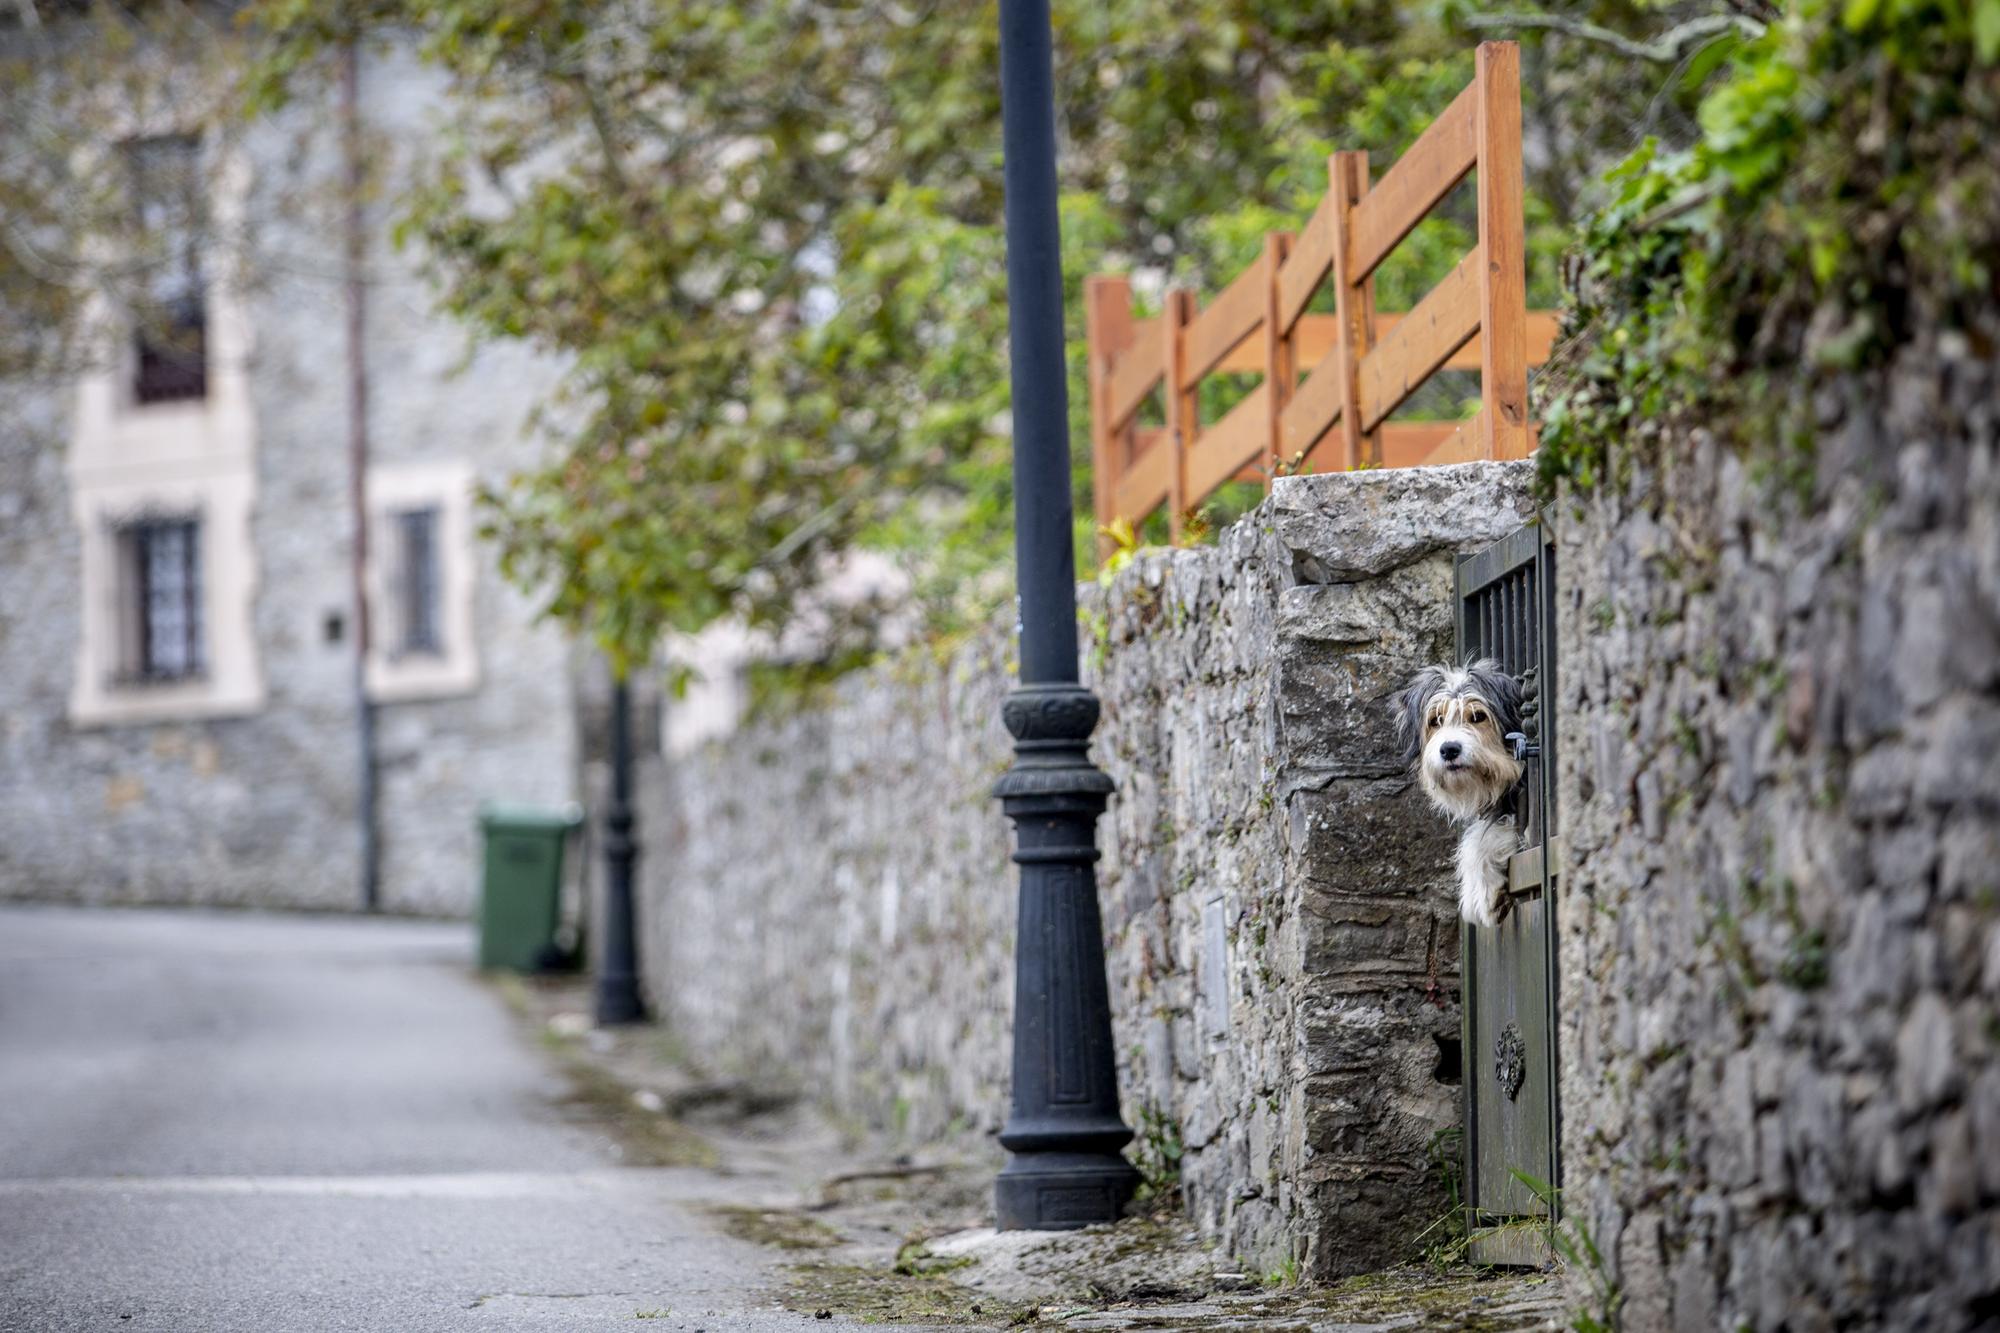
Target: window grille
x=418, y=594
x=162, y=599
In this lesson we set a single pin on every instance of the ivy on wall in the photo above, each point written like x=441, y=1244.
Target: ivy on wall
x=1843, y=193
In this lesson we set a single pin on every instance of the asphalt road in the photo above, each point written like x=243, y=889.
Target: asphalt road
x=216, y=1121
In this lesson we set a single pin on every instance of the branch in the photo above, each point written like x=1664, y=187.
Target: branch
x=600, y=124
x=1686, y=203
x=1664, y=49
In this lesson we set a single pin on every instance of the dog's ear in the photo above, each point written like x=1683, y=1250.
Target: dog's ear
x=1500, y=690
x=1411, y=705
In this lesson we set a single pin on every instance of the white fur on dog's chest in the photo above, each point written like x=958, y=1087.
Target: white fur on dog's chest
x=1484, y=849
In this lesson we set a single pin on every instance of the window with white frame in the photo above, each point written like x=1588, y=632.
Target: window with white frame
x=162, y=452
x=420, y=581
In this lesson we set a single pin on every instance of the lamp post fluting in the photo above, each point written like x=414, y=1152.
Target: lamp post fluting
x=617, y=964
x=1063, y=1134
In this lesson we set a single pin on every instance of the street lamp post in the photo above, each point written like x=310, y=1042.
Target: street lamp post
x=617, y=965
x=1063, y=1135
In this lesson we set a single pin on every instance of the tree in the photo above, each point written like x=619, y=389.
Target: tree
x=766, y=237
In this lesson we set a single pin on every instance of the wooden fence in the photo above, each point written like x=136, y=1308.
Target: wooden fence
x=1364, y=364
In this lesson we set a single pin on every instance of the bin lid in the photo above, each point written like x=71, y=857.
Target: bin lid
x=494, y=815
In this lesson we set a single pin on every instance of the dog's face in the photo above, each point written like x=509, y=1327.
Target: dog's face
x=1454, y=723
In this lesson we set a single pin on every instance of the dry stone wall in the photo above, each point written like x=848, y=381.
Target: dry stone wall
x=1780, y=960
x=830, y=901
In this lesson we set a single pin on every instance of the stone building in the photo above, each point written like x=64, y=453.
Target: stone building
x=183, y=703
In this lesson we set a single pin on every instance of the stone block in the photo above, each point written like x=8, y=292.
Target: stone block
x=1343, y=527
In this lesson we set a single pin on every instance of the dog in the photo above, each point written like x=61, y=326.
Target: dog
x=1455, y=724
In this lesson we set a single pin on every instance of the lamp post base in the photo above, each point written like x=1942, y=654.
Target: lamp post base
x=1062, y=1139
x=1059, y=1191
x=618, y=1002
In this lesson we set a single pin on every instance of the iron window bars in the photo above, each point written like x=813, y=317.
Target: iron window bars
x=421, y=625
x=161, y=601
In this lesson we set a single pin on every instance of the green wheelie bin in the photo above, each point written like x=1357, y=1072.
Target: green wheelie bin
x=520, y=899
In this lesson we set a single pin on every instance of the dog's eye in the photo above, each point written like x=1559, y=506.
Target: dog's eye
x=1475, y=717
x=1437, y=720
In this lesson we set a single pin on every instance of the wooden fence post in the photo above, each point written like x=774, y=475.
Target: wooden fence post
x=1280, y=355
x=1183, y=407
x=1503, y=278
x=1355, y=303
x=1107, y=317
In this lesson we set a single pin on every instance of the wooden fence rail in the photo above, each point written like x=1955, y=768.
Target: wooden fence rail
x=1363, y=364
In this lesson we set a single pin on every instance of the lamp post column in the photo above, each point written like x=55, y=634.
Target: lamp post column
x=1064, y=1134
x=618, y=998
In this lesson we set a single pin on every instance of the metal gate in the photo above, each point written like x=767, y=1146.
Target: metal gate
x=1505, y=608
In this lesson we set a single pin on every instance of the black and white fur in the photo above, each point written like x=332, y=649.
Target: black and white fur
x=1454, y=723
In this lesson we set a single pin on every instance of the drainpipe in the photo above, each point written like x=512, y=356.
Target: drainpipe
x=357, y=460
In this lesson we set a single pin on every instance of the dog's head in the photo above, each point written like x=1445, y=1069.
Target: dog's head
x=1454, y=723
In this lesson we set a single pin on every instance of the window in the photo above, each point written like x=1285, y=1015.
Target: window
x=160, y=599
x=171, y=319
x=422, y=643
x=162, y=457
x=419, y=628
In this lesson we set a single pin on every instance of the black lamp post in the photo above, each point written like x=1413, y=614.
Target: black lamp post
x=617, y=966
x=1064, y=1134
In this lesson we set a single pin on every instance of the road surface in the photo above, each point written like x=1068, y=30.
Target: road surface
x=223, y=1121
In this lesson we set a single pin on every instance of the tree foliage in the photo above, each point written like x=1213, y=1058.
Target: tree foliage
x=1843, y=193
x=765, y=236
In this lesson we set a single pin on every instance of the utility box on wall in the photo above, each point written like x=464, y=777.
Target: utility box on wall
x=1505, y=610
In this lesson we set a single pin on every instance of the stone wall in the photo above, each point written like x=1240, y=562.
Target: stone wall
x=1781, y=933
x=263, y=809
x=829, y=900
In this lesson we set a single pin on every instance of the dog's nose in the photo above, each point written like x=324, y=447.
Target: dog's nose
x=1450, y=751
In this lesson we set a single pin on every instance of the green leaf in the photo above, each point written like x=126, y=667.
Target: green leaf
x=1707, y=60
x=1986, y=30
x=1856, y=15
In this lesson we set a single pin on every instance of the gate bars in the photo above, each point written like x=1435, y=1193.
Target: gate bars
x=1364, y=364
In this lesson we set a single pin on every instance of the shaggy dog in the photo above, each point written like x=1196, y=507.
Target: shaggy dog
x=1455, y=724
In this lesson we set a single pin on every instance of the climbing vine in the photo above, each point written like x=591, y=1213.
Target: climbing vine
x=1842, y=193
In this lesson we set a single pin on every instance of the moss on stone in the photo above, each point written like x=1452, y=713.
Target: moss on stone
x=647, y=1138
x=882, y=1296
x=779, y=1228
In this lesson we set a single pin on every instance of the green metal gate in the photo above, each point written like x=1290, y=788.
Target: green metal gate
x=1506, y=610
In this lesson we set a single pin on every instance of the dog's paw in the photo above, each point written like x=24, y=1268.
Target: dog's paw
x=1482, y=873
x=1483, y=899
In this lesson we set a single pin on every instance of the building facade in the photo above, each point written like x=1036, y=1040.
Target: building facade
x=183, y=695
